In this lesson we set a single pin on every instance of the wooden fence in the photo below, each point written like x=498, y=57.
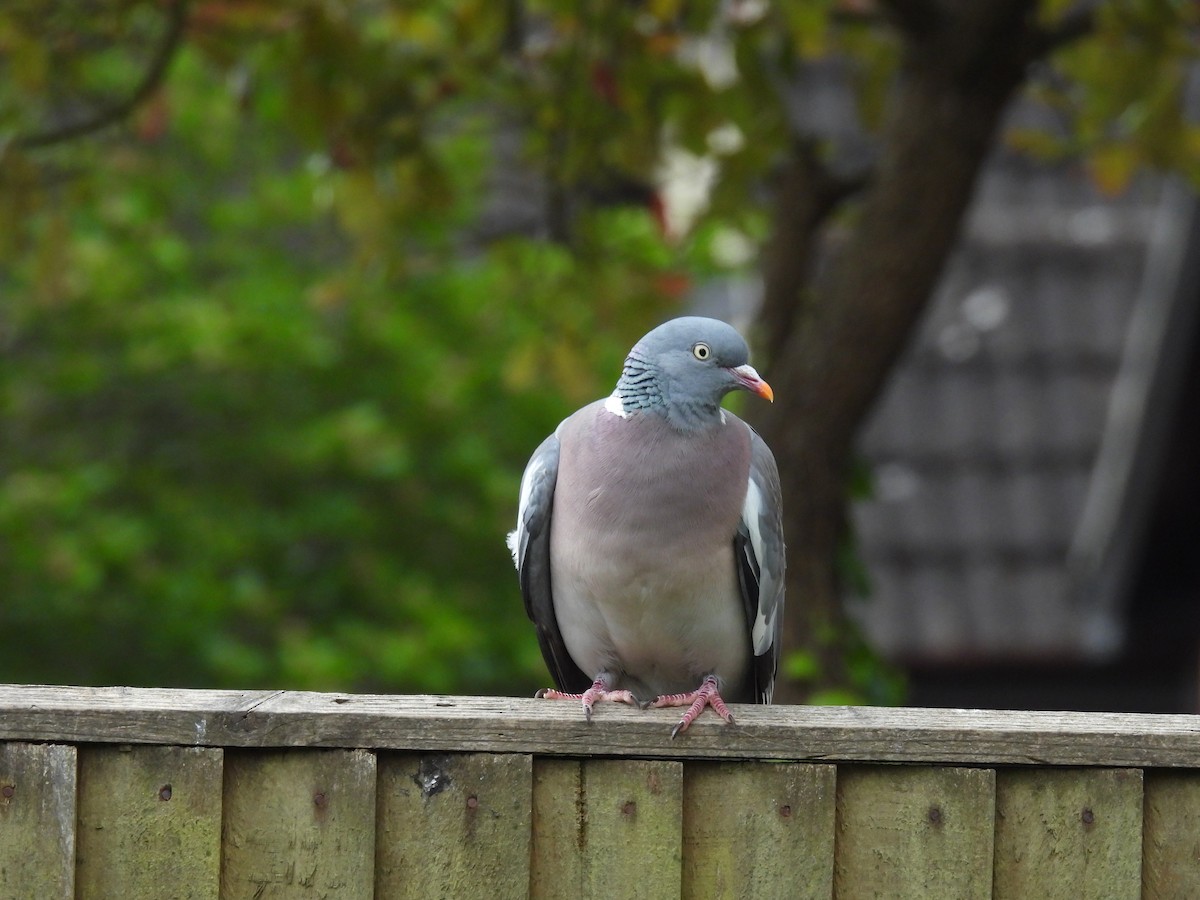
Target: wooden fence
x=137, y=793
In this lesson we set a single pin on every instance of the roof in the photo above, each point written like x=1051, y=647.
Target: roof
x=988, y=531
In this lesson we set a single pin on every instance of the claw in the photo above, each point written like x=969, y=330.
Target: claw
x=597, y=692
x=708, y=694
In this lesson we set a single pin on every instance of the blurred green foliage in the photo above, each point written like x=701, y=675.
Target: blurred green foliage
x=266, y=388
x=264, y=414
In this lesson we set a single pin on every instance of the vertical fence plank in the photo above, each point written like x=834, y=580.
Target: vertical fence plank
x=633, y=814
x=754, y=829
x=37, y=821
x=453, y=825
x=559, y=827
x=149, y=822
x=1068, y=833
x=914, y=832
x=1171, y=836
x=607, y=828
x=299, y=823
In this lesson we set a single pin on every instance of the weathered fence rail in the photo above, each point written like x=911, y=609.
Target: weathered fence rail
x=131, y=793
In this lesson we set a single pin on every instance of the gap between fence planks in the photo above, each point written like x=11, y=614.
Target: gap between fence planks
x=234, y=719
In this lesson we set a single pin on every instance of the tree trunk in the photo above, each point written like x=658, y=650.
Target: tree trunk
x=848, y=330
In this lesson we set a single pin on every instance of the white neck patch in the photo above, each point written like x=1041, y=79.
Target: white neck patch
x=614, y=405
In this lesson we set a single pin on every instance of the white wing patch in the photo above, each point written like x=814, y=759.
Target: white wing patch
x=762, y=633
x=513, y=540
x=536, y=471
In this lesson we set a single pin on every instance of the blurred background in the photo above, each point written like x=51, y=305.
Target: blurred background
x=289, y=291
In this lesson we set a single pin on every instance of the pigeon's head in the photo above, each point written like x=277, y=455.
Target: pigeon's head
x=684, y=367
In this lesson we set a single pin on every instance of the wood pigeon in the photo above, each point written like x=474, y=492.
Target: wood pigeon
x=649, y=541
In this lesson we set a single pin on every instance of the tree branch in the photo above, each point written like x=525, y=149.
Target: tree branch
x=1077, y=24
x=916, y=18
x=153, y=77
x=806, y=195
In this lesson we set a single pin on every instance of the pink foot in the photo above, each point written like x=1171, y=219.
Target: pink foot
x=597, y=692
x=705, y=695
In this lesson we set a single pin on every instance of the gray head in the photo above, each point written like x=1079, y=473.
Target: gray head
x=683, y=368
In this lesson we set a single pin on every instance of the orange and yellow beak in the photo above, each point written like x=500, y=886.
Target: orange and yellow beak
x=750, y=380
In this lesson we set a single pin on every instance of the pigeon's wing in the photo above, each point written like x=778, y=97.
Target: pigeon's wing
x=530, y=546
x=759, y=549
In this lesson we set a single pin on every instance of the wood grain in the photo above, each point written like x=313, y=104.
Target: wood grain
x=37, y=821
x=1171, y=836
x=508, y=725
x=453, y=825
x=1068, y=833
x=149, y=822
x=557, y=864
x=299, y=824
x=607, y=828
x=760, y=830
x=914, y=832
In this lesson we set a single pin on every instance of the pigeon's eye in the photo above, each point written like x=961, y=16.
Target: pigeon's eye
x=701, y=351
